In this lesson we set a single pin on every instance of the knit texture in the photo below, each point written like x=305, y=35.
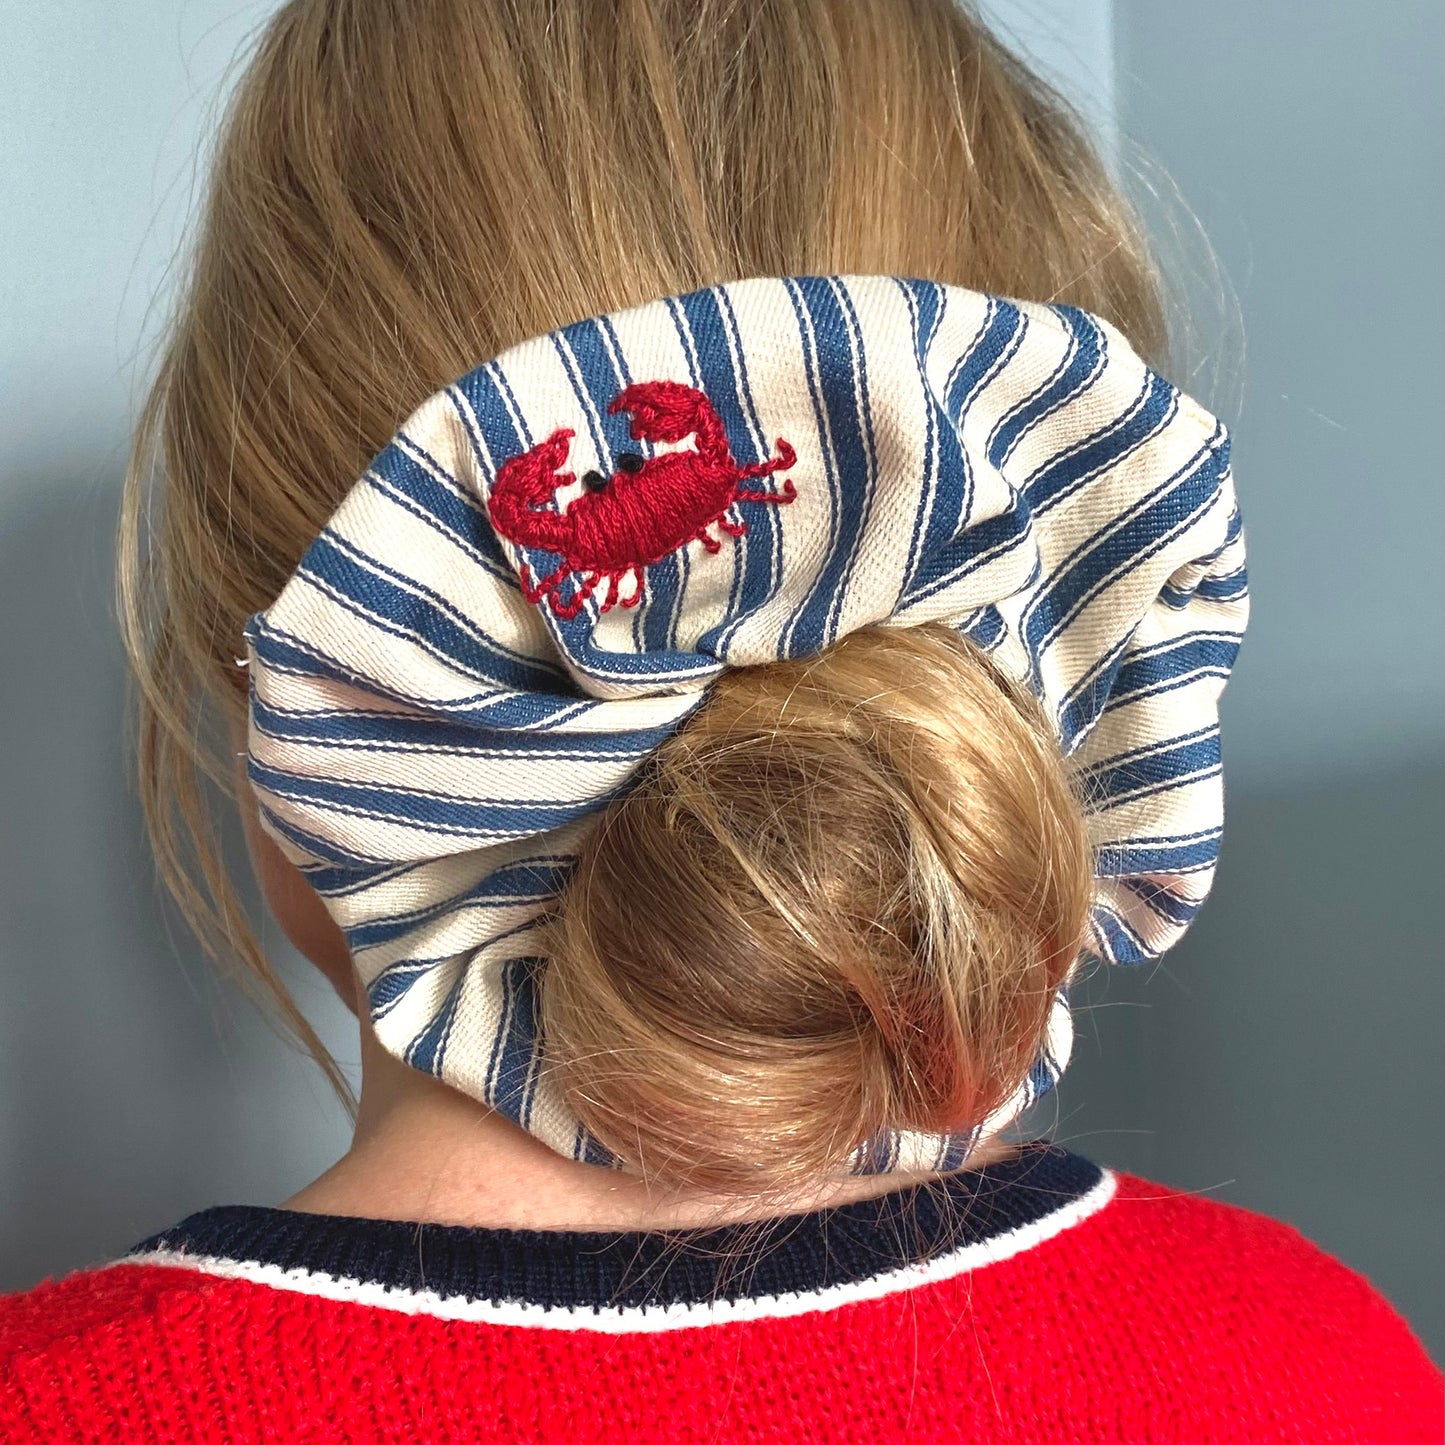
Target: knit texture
x=1038, y=1301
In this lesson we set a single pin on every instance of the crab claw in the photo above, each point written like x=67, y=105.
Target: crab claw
x=664, y=411
x=525, y=485
x=533, y=475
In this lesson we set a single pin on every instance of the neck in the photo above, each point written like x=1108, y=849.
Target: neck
x=424, y=1152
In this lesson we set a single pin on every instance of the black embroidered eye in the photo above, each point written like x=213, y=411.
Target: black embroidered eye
x=629, y=462
x=594, y=481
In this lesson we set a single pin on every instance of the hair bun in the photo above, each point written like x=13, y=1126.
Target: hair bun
x=841, y=899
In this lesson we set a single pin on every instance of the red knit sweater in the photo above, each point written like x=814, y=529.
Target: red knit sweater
x=1042, y=1300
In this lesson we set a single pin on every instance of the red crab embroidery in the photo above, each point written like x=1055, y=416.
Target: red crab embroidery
x=647, y=509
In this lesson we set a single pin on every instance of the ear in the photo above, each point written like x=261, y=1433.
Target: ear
x=294, y=903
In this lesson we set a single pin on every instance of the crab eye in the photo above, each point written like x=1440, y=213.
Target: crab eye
x=629, y=462
x=594, y=481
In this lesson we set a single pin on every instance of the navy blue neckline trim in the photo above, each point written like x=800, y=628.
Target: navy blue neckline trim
x=794, y=1254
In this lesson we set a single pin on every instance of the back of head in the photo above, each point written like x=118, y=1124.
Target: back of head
x=843, y=896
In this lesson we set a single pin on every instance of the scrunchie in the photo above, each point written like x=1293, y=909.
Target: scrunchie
x=534, y=583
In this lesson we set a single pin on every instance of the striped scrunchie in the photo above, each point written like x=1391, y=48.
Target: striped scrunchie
x=535, y=582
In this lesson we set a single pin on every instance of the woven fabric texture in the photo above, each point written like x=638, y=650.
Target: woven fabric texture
x=535, y=582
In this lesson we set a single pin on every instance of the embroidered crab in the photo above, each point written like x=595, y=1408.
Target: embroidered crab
x=648, y=508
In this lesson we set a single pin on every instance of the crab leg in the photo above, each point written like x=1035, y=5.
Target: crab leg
x=636, y=595
x=785, y=458
x=786, y=495
x=535, y=591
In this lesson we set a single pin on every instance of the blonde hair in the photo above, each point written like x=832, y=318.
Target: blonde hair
x=405, y=187
x=840, y=900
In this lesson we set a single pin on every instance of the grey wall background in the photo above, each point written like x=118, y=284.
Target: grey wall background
x=1287, y=1057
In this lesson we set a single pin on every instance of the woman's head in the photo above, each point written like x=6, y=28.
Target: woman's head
x=405, y=187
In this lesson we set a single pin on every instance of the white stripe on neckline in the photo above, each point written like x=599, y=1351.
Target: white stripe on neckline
x=645, y=1319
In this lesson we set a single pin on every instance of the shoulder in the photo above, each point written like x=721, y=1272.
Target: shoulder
x=81, y=1355
x=88, y=1303
x=1233, y=1256
x=1221, y=1298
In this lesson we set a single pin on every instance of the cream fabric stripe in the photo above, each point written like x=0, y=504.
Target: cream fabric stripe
x=420, y=730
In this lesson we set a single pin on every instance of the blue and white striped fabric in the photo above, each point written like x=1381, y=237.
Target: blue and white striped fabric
x=426, y=743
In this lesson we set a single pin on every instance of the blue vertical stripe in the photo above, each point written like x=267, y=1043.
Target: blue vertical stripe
x=831, y=350
x=1085, y=489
